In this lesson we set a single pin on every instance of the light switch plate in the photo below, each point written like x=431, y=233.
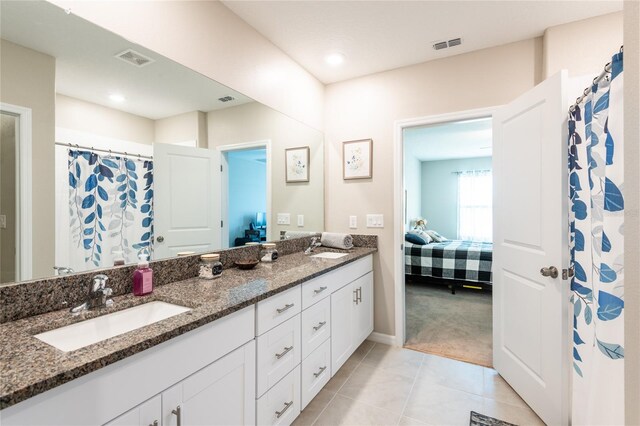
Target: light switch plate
x=353, y=222
x=284, y=219
x=375, y=221
x=300, y=220
x=3, y=221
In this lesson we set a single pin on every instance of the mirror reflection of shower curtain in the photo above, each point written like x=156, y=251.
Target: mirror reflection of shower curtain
x=596, y=178
x=108, y=209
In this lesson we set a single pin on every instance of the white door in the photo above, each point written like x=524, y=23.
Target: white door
x=222, y=393
x=186, y=200
x=363, y=308
x=342, y=340
x=530, y=311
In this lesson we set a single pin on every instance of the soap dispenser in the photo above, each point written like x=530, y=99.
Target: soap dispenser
x=143, y=275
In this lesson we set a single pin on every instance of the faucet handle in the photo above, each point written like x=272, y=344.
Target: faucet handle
x=99, y=282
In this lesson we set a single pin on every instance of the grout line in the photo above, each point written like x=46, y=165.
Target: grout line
x=346, y=380
x=413, y=385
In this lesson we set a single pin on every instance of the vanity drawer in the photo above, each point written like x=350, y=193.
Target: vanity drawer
x=277, y=309
x=316, y=326
x=281, y=405
x=321, y=287
x=315, y=372
x=279, y=352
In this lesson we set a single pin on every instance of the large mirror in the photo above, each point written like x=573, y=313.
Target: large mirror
x=110, y=152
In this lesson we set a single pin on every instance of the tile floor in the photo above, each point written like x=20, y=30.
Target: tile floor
x=383, y=385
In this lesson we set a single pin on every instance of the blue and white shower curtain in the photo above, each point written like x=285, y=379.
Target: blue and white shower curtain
x=110, y=208
x=597, y=251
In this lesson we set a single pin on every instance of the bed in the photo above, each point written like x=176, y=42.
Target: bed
x=460, y=261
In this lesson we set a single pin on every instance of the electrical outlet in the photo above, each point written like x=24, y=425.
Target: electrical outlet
x=353, y=222
x=300, y=220
x=284, y=219
x=375, y=221
x=3, y=221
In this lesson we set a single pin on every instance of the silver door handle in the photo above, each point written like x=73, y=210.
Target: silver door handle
x=355, y=296
x=178, y=413
x=359, y=294
x=320, y=325
x=319, y=290
x=286, y=307
x=320, y=371
x=286, y=407
x=551, y=271
x=286, y=351
x=160, y=238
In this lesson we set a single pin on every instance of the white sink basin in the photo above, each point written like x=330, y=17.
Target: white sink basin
x=330, y=255
x=85, y=333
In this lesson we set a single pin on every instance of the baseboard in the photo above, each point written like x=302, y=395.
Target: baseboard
x=385, y=339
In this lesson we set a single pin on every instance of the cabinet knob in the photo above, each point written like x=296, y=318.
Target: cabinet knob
x=160, y=238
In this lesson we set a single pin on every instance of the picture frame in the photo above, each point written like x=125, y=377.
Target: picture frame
x=296, y=164
x=357, y=159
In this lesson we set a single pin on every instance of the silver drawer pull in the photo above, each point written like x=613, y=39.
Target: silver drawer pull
x=320, y=325
x=287, y=349
x=155, y=423
x=286, y=307
x=319, y=290
x=320, y=371
x=286, y=407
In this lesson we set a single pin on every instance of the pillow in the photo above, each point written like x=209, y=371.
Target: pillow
x=414, y=239
x=435, y=236
x=422, y=234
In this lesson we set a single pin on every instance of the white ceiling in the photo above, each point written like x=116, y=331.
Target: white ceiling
x=460, y=139
x=382, y=35
x=87, y=69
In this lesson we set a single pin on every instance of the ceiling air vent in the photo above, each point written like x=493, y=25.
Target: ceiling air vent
x=440, y=45
x=226, y=98
x=445, y=44
x=134, y=58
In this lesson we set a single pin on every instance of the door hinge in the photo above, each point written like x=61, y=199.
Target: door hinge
x=220, y=167
x=401, y=247
x=221, y=224
x=568, y=273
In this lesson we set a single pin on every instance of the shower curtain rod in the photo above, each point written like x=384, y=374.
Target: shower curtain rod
x=603, y=74
x=90, y=148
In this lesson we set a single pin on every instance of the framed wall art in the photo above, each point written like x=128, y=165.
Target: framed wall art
x=297, y=164
x=357, y=159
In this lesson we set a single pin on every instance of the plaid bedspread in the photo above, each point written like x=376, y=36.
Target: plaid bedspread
x=459, y=260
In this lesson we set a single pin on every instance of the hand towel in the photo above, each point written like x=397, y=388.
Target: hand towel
x=336, y=240
x=297, y=234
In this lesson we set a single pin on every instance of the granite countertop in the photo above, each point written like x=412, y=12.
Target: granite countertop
x=29, y=366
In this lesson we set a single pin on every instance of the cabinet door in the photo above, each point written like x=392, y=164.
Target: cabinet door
x=146, y=414
x=223, y=393
x=342, y=341
x=363, y=308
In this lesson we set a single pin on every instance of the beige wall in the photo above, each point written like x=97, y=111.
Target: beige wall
x=367, y=108
x=72, y=113
x=207, y=37
x=632, y=209
x=190, y=126
x=28, y=80
x=254, y=122
x=8, y=197
x=582, y=47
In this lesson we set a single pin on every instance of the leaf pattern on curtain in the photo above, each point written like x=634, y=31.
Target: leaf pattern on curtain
x=110, y=206
x=597, y=252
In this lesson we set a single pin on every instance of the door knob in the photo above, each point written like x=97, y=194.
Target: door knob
x=551, y=271
x=160, y=239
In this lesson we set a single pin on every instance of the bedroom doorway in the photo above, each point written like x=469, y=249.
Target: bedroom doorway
x=447, y=231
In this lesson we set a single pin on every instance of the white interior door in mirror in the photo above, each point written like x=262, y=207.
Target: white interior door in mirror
x=530, y=311
x=186, y=217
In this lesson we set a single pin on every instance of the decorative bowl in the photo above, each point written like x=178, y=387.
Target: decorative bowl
x=246, y=263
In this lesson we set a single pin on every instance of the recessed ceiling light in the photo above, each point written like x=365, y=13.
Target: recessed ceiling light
x=334, y=59
x=115, y=97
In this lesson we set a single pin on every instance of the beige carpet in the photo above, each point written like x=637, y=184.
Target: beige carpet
x=457, y=326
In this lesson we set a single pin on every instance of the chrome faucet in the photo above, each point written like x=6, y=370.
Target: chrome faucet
x=314, y=243
x=98, y=296
x=63, y=270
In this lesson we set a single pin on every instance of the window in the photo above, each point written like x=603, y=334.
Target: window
x=475, y=205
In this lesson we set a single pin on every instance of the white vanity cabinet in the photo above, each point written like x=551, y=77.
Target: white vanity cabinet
x=351, y=319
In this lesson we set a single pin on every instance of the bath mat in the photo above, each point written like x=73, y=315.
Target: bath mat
x=478, y=419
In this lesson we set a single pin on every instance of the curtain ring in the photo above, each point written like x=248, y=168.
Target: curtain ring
x=586, y=91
